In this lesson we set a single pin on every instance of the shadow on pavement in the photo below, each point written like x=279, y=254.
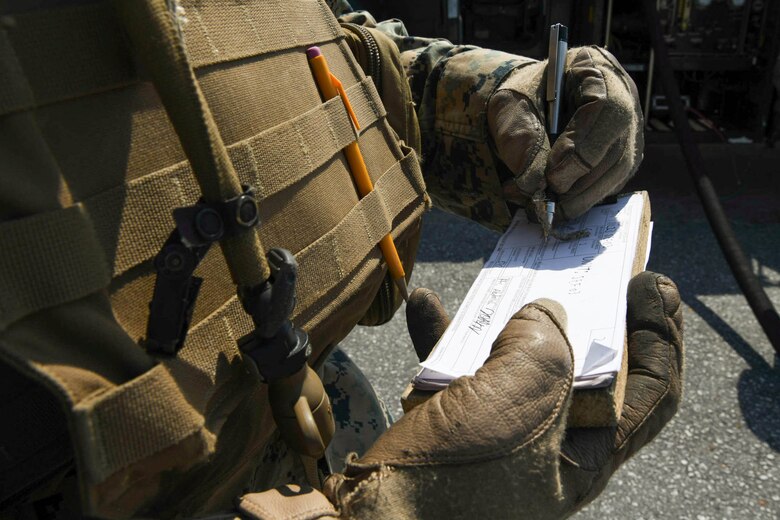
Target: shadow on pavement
x=449, y=238
x=758, y=387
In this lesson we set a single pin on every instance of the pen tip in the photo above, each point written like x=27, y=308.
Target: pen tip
x=313, y=52
x=401, y=283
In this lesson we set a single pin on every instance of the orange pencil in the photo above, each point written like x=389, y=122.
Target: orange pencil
x=331, y=87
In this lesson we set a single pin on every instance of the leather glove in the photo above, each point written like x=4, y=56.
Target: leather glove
x=495, y=445
x=600, y=147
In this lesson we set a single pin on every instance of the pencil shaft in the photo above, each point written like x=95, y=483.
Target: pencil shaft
x=357, y=166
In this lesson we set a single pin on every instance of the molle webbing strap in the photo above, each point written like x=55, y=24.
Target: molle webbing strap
x=110, y=422
x=311, y=139
x=233, y=31
x=85, y=48
x=159, y=46
x=147, y=202
x=83, y=52
x=392, y=192
x=46, y=260
x=328, y=261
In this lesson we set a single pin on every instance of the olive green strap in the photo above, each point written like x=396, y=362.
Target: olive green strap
x=161, y=50
x=46, y=260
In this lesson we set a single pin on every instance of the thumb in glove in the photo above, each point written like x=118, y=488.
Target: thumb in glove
x=480, y=447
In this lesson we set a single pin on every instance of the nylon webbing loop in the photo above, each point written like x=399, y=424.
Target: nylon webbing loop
x=46, y=260
x=320, y=134
x=329, y=260
x=235, y=32
x=111, y=422
x=151, y=28
x=84, y=51
x=147, y=202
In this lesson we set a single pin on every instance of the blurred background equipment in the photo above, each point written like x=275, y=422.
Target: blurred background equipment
x=723, y=52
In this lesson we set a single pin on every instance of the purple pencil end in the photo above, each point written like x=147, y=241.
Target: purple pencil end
x=313, y=52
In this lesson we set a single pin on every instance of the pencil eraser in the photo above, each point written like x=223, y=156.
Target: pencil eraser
x=313, y=52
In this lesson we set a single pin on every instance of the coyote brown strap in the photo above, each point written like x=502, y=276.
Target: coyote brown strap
x=160, y=47
x=47, y=260
x=72, y=44
x=146, y=202
x=106, y=420
x=346, y=245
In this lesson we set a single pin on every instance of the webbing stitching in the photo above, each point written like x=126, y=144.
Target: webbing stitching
x=202, y=44
x=390, y=184
x=157, y=186
x=251, y=21
x=292, y=39
x=205, y=32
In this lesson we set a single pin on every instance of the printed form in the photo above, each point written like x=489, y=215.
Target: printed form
x=588, y=276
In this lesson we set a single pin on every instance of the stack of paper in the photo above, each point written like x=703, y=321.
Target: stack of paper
x=588, y=276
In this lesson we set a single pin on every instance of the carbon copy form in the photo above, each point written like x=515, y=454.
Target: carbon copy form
x=588, y=276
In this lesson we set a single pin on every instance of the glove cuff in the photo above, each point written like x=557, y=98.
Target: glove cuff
x=287, y=502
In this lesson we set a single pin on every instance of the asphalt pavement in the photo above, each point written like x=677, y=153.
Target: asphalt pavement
x=720, y=456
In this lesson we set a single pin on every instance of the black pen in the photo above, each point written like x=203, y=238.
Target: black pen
x=556, y=63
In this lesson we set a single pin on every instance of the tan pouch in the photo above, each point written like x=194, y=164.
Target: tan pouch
x=180, y=434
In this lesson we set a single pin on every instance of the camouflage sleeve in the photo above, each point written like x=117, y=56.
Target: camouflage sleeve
x=451, y=85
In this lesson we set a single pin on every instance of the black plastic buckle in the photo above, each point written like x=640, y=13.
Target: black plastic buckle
x=276, y=348
x=175, y=291
x=206, y=223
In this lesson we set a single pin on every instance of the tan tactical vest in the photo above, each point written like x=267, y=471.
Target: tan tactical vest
x=90, y=171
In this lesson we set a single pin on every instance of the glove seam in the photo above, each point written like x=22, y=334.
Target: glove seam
x=608, y=177
x=376, y=475
x=607, y=97
x=478, y=457
x=630, y=87
x=540, y=135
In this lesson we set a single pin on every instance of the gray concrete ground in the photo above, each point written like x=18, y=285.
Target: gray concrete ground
x=720, y=457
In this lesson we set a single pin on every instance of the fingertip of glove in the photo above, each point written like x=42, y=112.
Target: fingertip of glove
x=421, y=296
x=424, y=305
x=649, y=293
x=669, y=294
x=426, y=320
x=554, y=311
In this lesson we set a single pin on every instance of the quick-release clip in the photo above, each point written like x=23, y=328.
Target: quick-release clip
x=175, y=288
